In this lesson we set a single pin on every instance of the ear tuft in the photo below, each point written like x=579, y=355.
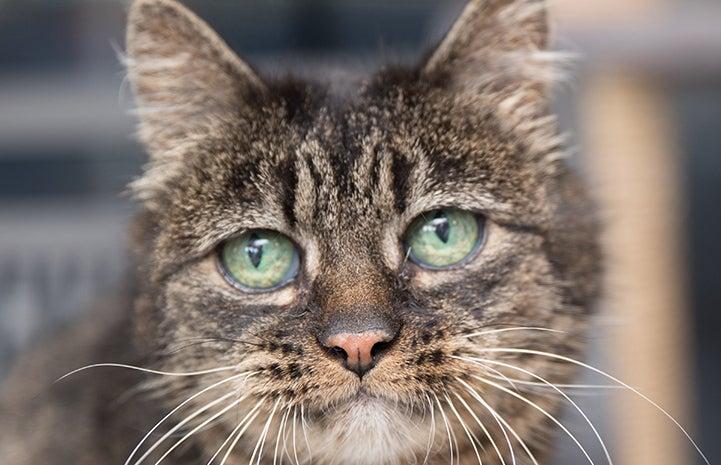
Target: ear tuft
x=496, y=52
x=184, y=77
x=488, y=29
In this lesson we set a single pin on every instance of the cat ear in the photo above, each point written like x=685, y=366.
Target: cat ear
x=183, y=74
x=496, y=52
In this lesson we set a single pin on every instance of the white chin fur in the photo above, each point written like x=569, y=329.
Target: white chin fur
x=370, y=432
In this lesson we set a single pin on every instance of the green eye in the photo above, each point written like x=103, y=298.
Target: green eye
x=259, y=260
x=443, y=238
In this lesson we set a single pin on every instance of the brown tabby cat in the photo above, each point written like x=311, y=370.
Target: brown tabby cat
x=356, y=279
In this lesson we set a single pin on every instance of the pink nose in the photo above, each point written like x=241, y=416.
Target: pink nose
x=359, y=349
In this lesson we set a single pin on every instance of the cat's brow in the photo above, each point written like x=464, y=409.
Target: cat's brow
x=455, y=195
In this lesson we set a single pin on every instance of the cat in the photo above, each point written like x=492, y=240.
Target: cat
x=389, y=276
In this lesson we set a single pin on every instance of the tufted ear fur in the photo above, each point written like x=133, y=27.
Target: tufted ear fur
x=497, y=51
x=185, y=78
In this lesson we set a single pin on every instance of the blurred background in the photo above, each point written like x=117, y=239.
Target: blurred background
x=644, y=110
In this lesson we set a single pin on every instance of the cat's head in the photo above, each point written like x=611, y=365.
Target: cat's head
x=358, y=255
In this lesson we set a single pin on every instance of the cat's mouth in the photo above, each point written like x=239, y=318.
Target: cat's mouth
x=366, y=400
x=363, y=401
x=363, y=396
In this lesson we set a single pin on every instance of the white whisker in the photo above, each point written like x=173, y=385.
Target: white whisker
x=193, y=431
x=261, y=439
x=180, y=424
x=305, y=432
x=486, y=432
x=471, y=437
x=517, y=328
x=499, y=375
x=237, y=432
x=540, y=409
x=432, y=432
x=144, y=370
x=612, y=378
x=295, y=448
x=498, y=417
x=186, y=401
x=281, y=431
x=451, y=436
x=286, y=432
x=574, y=404
x=521, y=382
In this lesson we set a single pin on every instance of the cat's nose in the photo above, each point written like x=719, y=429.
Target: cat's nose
x=359, y=351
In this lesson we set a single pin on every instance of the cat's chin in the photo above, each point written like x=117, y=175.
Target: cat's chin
x=369, y=430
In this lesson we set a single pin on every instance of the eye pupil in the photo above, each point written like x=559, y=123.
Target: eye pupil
x=442, y=227
x=254, y=249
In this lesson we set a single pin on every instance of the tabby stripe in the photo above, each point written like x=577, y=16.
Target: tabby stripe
x=401, y=170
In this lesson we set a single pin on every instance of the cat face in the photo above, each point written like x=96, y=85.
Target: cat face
x=352, y=259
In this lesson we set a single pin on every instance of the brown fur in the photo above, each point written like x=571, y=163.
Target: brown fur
x=343, y=176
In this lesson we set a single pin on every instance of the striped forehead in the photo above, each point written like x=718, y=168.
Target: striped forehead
x=344, y=178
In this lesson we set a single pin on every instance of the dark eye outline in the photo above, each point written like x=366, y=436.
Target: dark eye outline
x=478, y=246
x=292, y=276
